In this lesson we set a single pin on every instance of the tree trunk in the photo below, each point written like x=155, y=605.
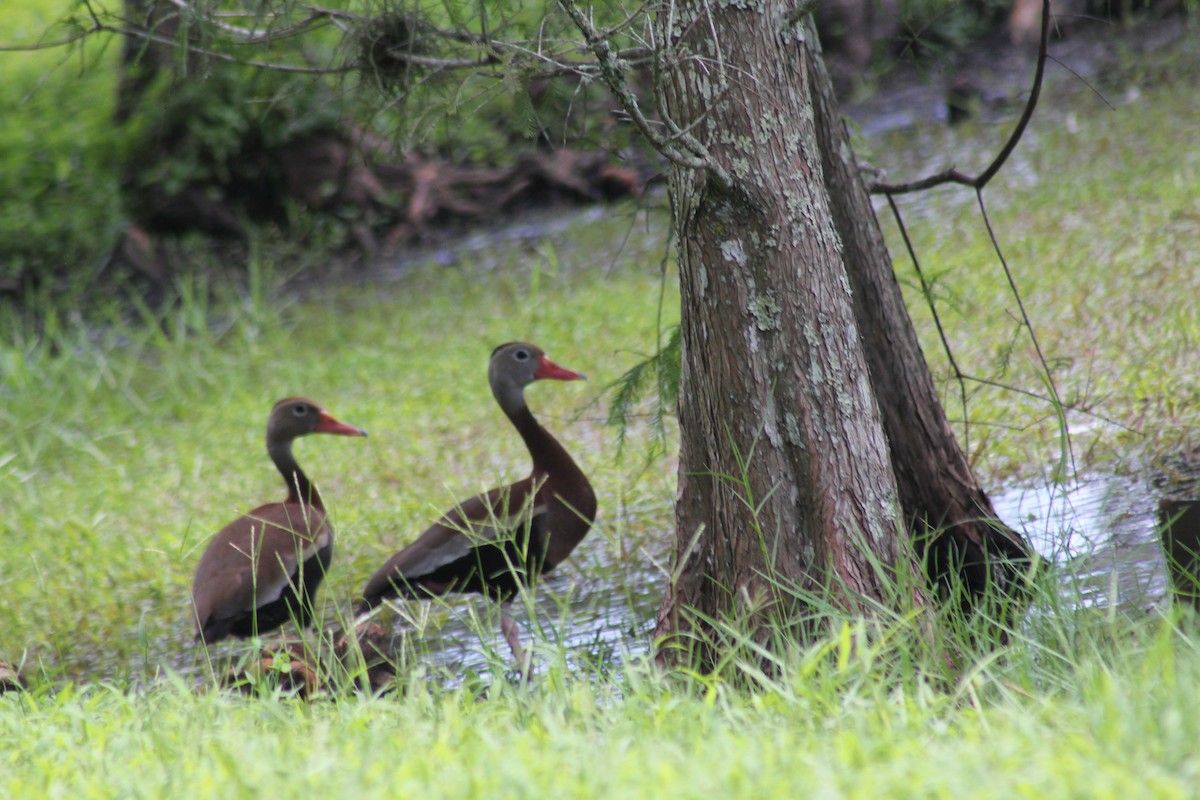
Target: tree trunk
x=955, y=524
x=810, y=425
x=785, y=477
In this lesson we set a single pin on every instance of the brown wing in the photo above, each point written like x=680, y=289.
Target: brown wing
x=249, y=562
x=483, y=518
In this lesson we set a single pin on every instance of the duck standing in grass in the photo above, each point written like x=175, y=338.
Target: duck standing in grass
x=264, y=568
x=496, y=542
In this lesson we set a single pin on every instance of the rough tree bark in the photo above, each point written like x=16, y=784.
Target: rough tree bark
x=942, y=501
x=775, y=387
x=802, y=375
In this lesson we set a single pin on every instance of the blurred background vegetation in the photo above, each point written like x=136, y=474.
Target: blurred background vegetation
x=124, y=163
x=111, y=151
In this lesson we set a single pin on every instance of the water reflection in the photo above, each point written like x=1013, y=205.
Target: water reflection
x=1102, y=532
x=597, y=608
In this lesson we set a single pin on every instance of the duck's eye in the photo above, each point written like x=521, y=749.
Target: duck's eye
x=300, y=410
x=521, y=355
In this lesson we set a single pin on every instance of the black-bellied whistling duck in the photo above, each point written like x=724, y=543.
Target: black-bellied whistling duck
x=264, y=568
x=503, y=539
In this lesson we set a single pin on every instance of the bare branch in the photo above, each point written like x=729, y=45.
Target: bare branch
x=1085, y=82
x=695, y=156
x=802, y=10
x=24, y=48
x=538, y=55
x=403, y=54
x=250, y=36
x=75, y=37
x=149, y=36
x=981, y=180
x=978, y=183
x=98, y=26
x=1076, y=408
x=1037, y=346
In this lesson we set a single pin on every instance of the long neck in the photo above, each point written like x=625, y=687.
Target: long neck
x=549, y=457
x=299, y=487
x=563, y=483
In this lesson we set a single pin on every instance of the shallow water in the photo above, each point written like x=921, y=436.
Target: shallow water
x=1101, y=532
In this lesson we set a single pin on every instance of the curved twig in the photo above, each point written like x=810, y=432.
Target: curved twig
x=251, y=36
x=978, y=183
x=1055, y=399
x=981, y=180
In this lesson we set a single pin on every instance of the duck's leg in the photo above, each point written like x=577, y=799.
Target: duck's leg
x=512, y=635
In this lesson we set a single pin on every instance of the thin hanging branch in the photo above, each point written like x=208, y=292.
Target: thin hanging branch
x=533, y=55
x=927, y=291
x=125, y=29
x=962, y=378
x=978, y=183
x=1056, y=400
x=251, y=36
x=1035, y=396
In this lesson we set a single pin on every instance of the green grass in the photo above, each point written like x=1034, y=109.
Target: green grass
x=1096, y=708
x=129, y=441
x=132, y=446
x=1098, y=215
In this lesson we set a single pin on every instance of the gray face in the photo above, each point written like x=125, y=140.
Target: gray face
x=517, y=362
x=292, y=417
x=512, y=368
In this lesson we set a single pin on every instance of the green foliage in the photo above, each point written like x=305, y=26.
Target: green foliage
x=224, y=134
x=59, y=208
x=935, y=29
x=654, y=380
x=216, y=128
x=493, y=114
